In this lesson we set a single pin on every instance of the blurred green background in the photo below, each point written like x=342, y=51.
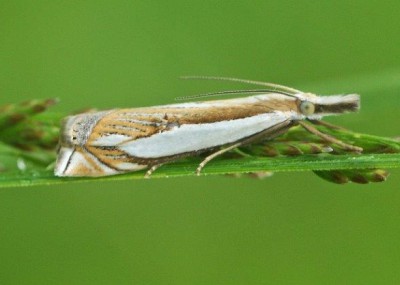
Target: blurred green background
x=292, y=228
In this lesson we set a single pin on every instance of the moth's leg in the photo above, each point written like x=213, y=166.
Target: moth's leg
x=326, y=124
x=266, y=134
x=151, y=170
x=329, y=138
x=242, y=153
x=214, y=155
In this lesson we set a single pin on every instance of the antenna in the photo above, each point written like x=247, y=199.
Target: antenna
x=273, y=86
x=227, y=92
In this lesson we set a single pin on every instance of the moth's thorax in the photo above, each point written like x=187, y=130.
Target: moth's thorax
x=307, y=97
x=75, y=130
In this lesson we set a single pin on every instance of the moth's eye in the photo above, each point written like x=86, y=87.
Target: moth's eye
x=307, y=108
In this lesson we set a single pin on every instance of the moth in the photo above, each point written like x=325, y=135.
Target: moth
x=124, y=140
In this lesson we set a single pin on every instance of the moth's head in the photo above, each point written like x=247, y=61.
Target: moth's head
x=315, y=107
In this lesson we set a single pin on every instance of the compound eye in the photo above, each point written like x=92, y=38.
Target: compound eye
x=307, y=108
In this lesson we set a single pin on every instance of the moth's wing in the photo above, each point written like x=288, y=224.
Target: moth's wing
x=102, y=152
x=85, y=162
x=192, y=138
x=125, y=125
x=100, y=155
x=79, y=162
x=133, y=139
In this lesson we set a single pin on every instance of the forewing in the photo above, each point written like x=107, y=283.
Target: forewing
x=125, y=125
x=189, y=138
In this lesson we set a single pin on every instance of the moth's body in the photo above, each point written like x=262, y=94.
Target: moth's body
x=124, y=140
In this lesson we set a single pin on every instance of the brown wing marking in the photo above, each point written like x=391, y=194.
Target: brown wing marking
x=133, y=127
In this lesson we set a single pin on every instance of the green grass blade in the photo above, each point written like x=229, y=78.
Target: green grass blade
x=218, y=167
